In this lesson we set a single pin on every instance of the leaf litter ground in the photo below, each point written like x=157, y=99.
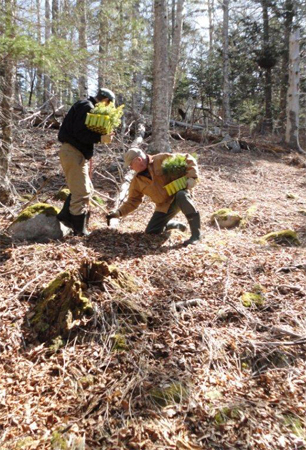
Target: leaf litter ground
x=237, y=373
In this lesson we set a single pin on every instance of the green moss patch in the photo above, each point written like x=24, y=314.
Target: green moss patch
x=250, y=298
x=225, y=218
x=98, y=200
x=225, y=414
x=169, y=394
x=62, y=194
x=282, y=237
x=295, y=424
x=38, y=208
x=119, y=343
x=255, y=297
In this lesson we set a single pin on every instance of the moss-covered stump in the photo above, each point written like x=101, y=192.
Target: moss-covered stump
x=64, y=305
x=283, y=237
x=100, y=272
x=38, y=223
x=62, y=194
x=61, y=307
x=226, y=218
x=169, y=394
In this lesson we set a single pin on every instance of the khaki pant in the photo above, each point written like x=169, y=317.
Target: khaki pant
x=76, y=170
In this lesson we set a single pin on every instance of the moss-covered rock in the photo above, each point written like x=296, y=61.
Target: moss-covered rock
x=167, y=395
x=62, y=194
x=255, y=297
x=38, y=223
x=250, y=298
x=226, y=218
x=37, y=208
x=282, y=237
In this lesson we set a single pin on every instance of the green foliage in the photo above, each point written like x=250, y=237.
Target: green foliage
x=249, y=112
x=175, y=166
x=104, y=118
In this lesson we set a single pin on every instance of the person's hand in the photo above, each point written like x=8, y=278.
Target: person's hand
x=112, y=215
x=191, y=182
x=107, y=138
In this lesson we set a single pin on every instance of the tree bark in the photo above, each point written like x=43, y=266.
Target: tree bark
x=103, y=46
x=160, y=125
x=210, y=7
x=293, y=104
x=226, y=87
x=267, y=125
x=7, y=111
x=137, y=74
x=47, y=37
x=289, y=14
x=175, y=48
x=82, y=25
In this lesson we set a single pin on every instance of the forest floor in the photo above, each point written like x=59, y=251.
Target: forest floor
x=209, y=374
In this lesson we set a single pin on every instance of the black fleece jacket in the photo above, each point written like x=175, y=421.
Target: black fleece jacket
x=74, y=131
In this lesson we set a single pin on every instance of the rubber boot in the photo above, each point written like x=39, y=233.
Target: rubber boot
x=64, y=215
x=175, y=225
x=79, y=224
x=195, y=227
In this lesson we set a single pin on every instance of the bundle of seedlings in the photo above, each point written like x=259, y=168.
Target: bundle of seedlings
x=103, y=118
x=175, y=168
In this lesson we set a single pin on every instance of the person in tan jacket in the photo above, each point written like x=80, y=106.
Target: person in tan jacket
x=149, y=180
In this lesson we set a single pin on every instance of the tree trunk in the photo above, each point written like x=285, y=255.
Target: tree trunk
x=137, y=75
x=226, y=87
x=174, y=51
x=47, y=37
x=6, y=111
x=267, y=125
x=82, y=25
x=293, y=104
x=103, y=46
x=38, y=87
x=160, y=138
x=289, y=14
x=210, y=6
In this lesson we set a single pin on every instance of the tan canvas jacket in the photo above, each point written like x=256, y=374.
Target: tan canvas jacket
x=154, y=188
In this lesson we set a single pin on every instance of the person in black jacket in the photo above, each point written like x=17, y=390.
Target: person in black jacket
x=75, y=152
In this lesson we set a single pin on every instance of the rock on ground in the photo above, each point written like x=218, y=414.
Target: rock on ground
x=40, y=228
